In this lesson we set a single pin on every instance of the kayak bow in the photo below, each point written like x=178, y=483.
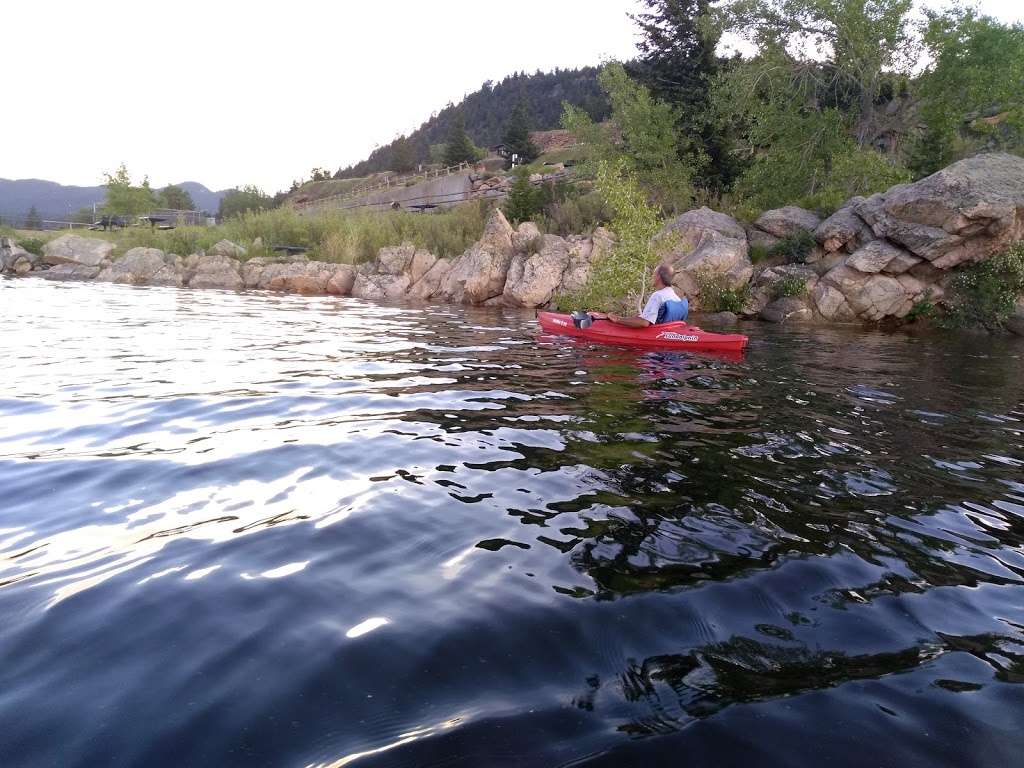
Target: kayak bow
x=678, y=335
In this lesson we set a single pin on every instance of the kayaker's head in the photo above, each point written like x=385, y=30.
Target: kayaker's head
x=662, y=277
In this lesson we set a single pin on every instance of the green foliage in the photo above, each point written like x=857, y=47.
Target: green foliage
x=459, y=148
x=717, y=294
x=985, y=294
x=678, y=63
x=33, y=220
x=795, y=248
x=789, y=286
x=524, y=201
x=758, y=253
x=624, y=273
x=246, y=199
x=573, y=213
x=125, y=198
x=403, y=155
x=487, y=113
x=922, y=310
x=517, y=133
x=975, y=63
x=176, y=198
x=647, y=144
x=32, y=244
x=319, y=174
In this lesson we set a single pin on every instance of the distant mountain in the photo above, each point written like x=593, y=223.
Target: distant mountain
x=487, y=111
x=58, y=201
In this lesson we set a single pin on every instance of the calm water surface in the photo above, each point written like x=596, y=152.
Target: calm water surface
x=263, y=530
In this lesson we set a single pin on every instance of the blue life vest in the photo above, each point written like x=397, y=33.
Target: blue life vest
x=673, y=311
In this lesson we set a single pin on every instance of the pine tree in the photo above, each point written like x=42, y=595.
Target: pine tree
x=459, y=148
x=517, y=133
x=404, y=157
x=677, y=63
x=33, y=220
x=524, y=200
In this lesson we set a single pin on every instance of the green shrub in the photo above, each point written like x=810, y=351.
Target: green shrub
x=621, y=278
x=758, y=253
x=794, y=249
x=985, y=294
x=789, y=286
x=524, y=201
x=717, y=294
x=32, y=244
x=922, y=310
x=574, y=215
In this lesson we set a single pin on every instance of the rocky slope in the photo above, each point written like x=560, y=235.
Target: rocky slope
x=871, y=260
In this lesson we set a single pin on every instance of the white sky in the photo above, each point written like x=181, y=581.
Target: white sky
x=227, y=92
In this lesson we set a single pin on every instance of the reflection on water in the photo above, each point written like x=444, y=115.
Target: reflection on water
x=273, y=530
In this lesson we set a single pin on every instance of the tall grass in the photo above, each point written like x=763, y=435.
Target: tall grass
x=347, y=237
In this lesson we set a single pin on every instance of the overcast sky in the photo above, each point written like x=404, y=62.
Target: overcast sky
x=227, y=92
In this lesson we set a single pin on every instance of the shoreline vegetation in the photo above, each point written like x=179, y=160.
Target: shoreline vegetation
x=861, y=164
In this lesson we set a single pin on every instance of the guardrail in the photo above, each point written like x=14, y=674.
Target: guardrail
x=389, y=181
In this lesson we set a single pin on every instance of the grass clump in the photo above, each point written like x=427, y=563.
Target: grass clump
x=717, y=294
x=789, y=286
x=32, y=244
x=794, y=249
x=984, y=295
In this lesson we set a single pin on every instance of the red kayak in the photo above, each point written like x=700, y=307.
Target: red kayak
x=664, y=336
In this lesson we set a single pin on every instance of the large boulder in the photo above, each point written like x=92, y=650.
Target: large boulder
x=706, y=242
x=688, y=229
x=966, y=212
x=479, y=273
x=310, y=278
x=787, y=309
x=15, y=259
x=228, y=249
x=525, y=236
x=788, y=221
x=870, y=296
x=340, y=283
x=831, y=303
x=370, y=284
x=71, y=272
x=533, y=279
x=583, y=254
x=74, y=249
x=877, y=255
x=212, y=270
x=395, y=260
x=145, y=266
x=844, y=229
x=428, y=285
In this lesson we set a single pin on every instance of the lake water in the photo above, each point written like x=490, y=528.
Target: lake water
x=262, y=530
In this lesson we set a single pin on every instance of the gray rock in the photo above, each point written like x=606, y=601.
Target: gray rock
x=74, y=249
x=761, y=240
x=788, y=221
x=228, y=249
x=378, y=287
x=213, y=270
x=533, y=280
x=395, y=260
x=524, y=237
x=831, y=304
x=875, y=256
x=479, y=273
x=70, y=272
x=428, y=285
x=689, y=228
x=844, y=229
x=719, y=318
x=966, y=212
x=787, y=309
x=341, y=282
x=139, y=266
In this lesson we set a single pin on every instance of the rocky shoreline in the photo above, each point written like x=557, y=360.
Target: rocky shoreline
x=872, y=260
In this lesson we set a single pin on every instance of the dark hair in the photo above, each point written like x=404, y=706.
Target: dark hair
x=665, y=274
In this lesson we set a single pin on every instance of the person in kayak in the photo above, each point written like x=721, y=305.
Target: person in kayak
x=664, y=305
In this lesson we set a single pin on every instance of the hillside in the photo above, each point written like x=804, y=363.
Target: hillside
x=58, y=201
x=487, y=111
